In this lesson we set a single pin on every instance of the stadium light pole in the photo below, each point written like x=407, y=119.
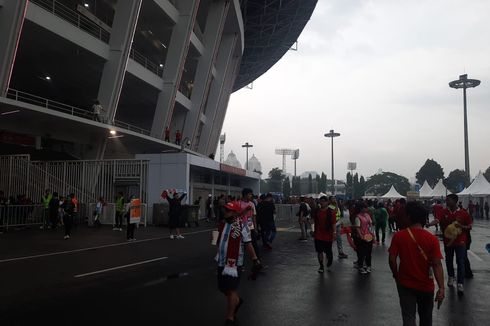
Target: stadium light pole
x=247, y=146
x=464, y=83
x=332, y=135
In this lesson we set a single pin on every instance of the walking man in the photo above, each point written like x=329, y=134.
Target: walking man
x=68, y=212
x=420, y=260
x=303, y=216
x=248, y=215
x=233, y=239
x=119, y=211
x=266, y=210
x=325, y=233
x=335, y=210
x=380, y=221
x=45, y=199
x=455, y=222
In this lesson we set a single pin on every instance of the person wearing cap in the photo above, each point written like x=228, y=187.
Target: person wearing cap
x=233, y=239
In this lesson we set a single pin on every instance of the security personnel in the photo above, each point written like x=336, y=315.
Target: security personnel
x=45, y=202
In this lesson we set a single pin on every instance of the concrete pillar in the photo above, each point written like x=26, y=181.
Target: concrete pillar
x=223, y=67
x=177, y=54
x=223, y=105
x=123, y=28
x=213, y=32
x=12, y=13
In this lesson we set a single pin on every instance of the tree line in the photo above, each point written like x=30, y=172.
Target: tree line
x=357, y=185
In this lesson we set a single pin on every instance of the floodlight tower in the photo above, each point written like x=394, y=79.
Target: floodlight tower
x=222, y=140
x=295, y=156
x=284, y=152
x=351, y=166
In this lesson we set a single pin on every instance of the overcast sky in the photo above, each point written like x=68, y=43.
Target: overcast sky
x=377, y=72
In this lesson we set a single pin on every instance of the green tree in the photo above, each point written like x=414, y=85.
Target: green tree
x=431, y=172
x=264, y=186
x=362, y=187
x=310, y=184
x=323, y=182
x=487, y=174
x=348, y=184
x=275, y=180
x=355, y=184
x=296, y=190
x=456, y=180
x=286, y=187
x=316, y=184
x=380, y=183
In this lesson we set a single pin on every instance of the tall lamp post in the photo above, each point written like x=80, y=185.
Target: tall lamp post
x=464, y=83
x=332, y=135
x=247, y=146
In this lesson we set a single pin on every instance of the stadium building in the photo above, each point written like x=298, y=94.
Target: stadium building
x=152, y=65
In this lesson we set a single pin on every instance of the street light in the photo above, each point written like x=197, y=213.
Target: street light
x=464, y=83
x=247, y=146
x=332, y=135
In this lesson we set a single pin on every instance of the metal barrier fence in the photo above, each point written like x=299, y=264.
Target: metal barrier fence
x=74, y=18
x=108, y=216
x=286, y=211
x=21, y=215
x=88, y=180
x=33, y=215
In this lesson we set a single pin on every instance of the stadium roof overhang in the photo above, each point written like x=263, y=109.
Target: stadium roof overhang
x=271, y=29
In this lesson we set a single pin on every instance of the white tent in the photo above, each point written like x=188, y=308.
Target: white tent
x=439, y=190
x=425, y=191
x=392, y=193
x=480, y=187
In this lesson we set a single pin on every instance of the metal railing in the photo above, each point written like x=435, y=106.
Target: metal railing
x=21, y=215
x=157, y=69
x=65, y=108
x=74, y=18
x=286, y=211
x=89, y=180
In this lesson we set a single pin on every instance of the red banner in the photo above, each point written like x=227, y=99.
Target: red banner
x=232, y=169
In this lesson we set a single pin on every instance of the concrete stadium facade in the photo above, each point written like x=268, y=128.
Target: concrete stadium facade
x=152, y=65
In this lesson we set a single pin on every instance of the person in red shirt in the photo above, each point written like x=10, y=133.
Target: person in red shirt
x=401, y=218
x=420, y=261
x=437, y=211
x=455, y=223
x=324, y=234
x=178, y=137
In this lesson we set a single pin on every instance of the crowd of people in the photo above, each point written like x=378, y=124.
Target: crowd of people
x=415, y=256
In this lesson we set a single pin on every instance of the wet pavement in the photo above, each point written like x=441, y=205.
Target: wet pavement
x=97, y=278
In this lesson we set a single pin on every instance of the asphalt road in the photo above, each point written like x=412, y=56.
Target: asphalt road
x=97, y=278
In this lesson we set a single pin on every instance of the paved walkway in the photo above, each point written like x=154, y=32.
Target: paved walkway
x=97, y=278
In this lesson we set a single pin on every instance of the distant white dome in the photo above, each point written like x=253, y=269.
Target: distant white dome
x=232, y=160
x=254, y=164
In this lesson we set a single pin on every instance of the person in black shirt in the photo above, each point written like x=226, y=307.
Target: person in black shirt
x=266, y=211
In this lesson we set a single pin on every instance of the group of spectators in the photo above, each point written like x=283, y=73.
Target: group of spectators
x=415, y=257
